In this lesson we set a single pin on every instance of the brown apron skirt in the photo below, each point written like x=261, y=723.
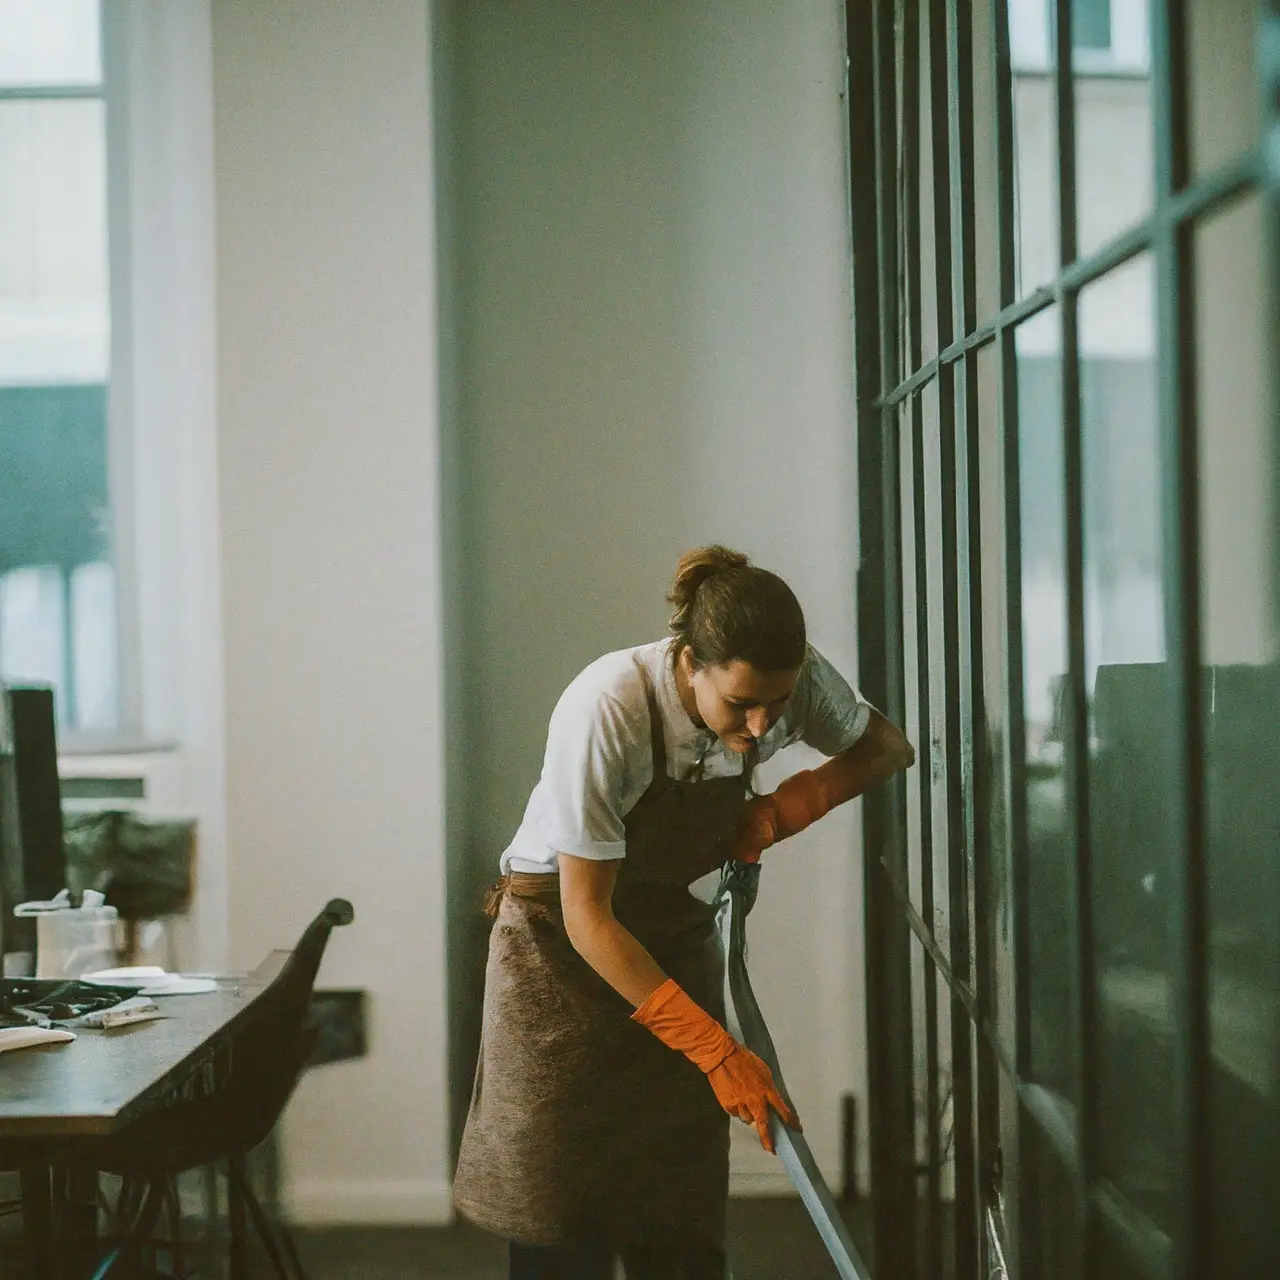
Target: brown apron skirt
x=584, y=1129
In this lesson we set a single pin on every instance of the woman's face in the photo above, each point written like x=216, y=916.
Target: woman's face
x=735, y=701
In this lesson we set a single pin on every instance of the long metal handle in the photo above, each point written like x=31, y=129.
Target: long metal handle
x=737, y=896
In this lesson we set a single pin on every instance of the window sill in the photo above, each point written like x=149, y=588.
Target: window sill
x=76, y=747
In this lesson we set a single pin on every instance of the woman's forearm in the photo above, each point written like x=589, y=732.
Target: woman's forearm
x=803, y=798
x=616, y=955
x=863, y=768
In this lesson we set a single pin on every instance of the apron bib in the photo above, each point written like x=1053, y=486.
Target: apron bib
x=584, y=1128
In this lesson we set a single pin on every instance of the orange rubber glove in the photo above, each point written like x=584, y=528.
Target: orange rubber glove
x=797, y=803
x=742, y=1082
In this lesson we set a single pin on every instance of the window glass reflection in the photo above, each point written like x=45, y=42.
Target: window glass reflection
x=1035, y=148
x=1133, y=783
x=49, y=43
x=58, y=622
x=986, y=163
x=931, y=116
x=940, y=766
x=1223, y=109
x=1049, y=833
x=912, y=669
x=1240, y=689
x=1115, y=139
x=994, y=750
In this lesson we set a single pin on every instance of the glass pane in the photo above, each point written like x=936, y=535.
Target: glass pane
x=1241, y=690
x=934, y=1116
x=921, y=980
x=1091, y=20
x=896, y=174
x=1051, y=1240
x=1035, y=145
x=53, y=243
x=996, y=878
x=966, y=582
x=1115, y=143
x=33, y=625
x=1133, y=783
x=1223, y=109
x=939, y=907
x=49, y=42
x=1007, y=1199
x=57, y=587
x=928, y=276
x=939, y=1253
x=1119, y=1257
x=911, y=655
x=1129, y=1245
x=986, y=163
x=94, y=660
x=1050, y=888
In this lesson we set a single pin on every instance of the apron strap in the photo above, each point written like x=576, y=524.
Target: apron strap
x=750, y=760
x=658, y=742
x=657, y=735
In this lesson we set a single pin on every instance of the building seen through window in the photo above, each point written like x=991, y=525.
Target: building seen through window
x=58, y=594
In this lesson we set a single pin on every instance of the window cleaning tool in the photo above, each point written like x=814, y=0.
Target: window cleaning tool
x=736, y=896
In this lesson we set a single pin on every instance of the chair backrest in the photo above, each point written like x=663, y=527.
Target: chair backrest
x=289, y=995
x=272, y=1046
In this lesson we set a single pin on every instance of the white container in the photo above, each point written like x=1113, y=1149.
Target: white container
x=72, y=940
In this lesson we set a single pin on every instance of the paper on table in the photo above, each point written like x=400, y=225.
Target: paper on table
x=129, y=975
x=151, y=980
x=25, y=1037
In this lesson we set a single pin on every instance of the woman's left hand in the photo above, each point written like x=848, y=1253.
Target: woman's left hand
x=757, y=830
x=806, y=796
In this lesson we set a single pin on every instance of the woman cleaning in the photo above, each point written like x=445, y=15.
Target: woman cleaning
x=599, y=1122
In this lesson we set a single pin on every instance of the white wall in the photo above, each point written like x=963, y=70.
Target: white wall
x=650, y=300
x=648, y=341
x=330, y=544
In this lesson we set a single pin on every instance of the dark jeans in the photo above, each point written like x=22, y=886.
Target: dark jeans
x=673, y=1259
x=530, y=1262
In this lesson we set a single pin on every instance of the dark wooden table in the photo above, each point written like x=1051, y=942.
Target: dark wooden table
x=55, y=1100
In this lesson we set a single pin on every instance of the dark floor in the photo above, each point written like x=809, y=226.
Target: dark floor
x=768, y=1240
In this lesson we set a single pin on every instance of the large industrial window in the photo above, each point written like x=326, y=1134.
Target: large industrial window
x=58, y=593
x=1065, y=225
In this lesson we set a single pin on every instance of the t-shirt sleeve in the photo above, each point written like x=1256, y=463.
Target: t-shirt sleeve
x=835, y=713
x=583, y=774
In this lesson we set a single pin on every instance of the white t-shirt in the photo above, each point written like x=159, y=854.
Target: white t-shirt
x=599, y=758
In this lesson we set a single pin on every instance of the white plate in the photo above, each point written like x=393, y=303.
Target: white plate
x=131, y=975
x=150, y=980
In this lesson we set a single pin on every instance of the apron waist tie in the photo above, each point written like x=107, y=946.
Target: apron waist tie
x=541, y=887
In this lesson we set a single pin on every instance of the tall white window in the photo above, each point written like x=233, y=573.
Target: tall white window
x=59, y=596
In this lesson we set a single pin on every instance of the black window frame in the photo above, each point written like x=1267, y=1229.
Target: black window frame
x=891, y=375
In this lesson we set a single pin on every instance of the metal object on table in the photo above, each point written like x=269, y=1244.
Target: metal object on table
x=736, y=896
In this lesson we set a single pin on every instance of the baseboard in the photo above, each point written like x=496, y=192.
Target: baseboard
x=406, y=1203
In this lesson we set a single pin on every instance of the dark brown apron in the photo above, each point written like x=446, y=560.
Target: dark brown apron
x=584, y=1129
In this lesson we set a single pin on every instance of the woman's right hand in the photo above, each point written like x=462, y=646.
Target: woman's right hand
x=757, y=829
x=743, y=1084
x=744, y=1087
